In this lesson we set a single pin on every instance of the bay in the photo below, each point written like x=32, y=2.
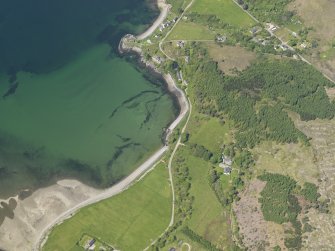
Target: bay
x=70, y=107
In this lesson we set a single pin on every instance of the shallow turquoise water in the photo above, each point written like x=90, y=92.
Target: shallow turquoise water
x=70, y=107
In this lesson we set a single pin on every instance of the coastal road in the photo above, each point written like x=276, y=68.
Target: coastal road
x=129, y=180
x=189, y=109
x=171, y=159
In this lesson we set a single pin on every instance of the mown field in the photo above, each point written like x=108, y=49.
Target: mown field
x=129, y=221
x=226, y=10
x=190, y=31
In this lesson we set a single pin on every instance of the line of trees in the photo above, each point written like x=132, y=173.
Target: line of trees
x=199, y=239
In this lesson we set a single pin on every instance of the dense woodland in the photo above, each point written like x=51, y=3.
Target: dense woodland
x=280, y=204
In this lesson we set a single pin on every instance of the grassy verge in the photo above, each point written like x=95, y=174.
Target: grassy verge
x=128, y=221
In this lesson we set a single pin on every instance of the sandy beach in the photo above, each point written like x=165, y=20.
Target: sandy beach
x=164, y=10
x=35, y=212
x=36, y=215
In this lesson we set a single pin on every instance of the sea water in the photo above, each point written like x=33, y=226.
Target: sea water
x=69, y=106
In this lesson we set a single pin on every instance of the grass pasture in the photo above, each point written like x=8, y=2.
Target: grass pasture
x=186, y=30
x=230, y=58
x=226, y=10
x=209, y=132
x=128, y=221
x=208, y=218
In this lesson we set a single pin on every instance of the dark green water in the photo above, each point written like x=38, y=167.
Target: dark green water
x=69, y=107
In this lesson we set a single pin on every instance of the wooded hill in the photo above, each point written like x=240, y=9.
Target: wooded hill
x=259, y=98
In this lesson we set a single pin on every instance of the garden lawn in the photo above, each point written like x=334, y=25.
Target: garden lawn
x=128, y=221
x=226, y=10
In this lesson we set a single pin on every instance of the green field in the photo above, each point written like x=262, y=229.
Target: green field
x=209, y=219
x=226, y=10
x=190, y=31
x=209, y=132
x=129, y=221
x=207, y=216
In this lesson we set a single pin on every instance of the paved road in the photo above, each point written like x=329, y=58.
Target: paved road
x=171, y=159
x=189, y=108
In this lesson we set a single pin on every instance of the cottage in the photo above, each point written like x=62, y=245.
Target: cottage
x=226, y=160
x=227, y=170
x=303, y=45
x=221, y=39
x=284, y=47
x=91, y=242
x=157, y=59
x=272, y=27
x=181, y=44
